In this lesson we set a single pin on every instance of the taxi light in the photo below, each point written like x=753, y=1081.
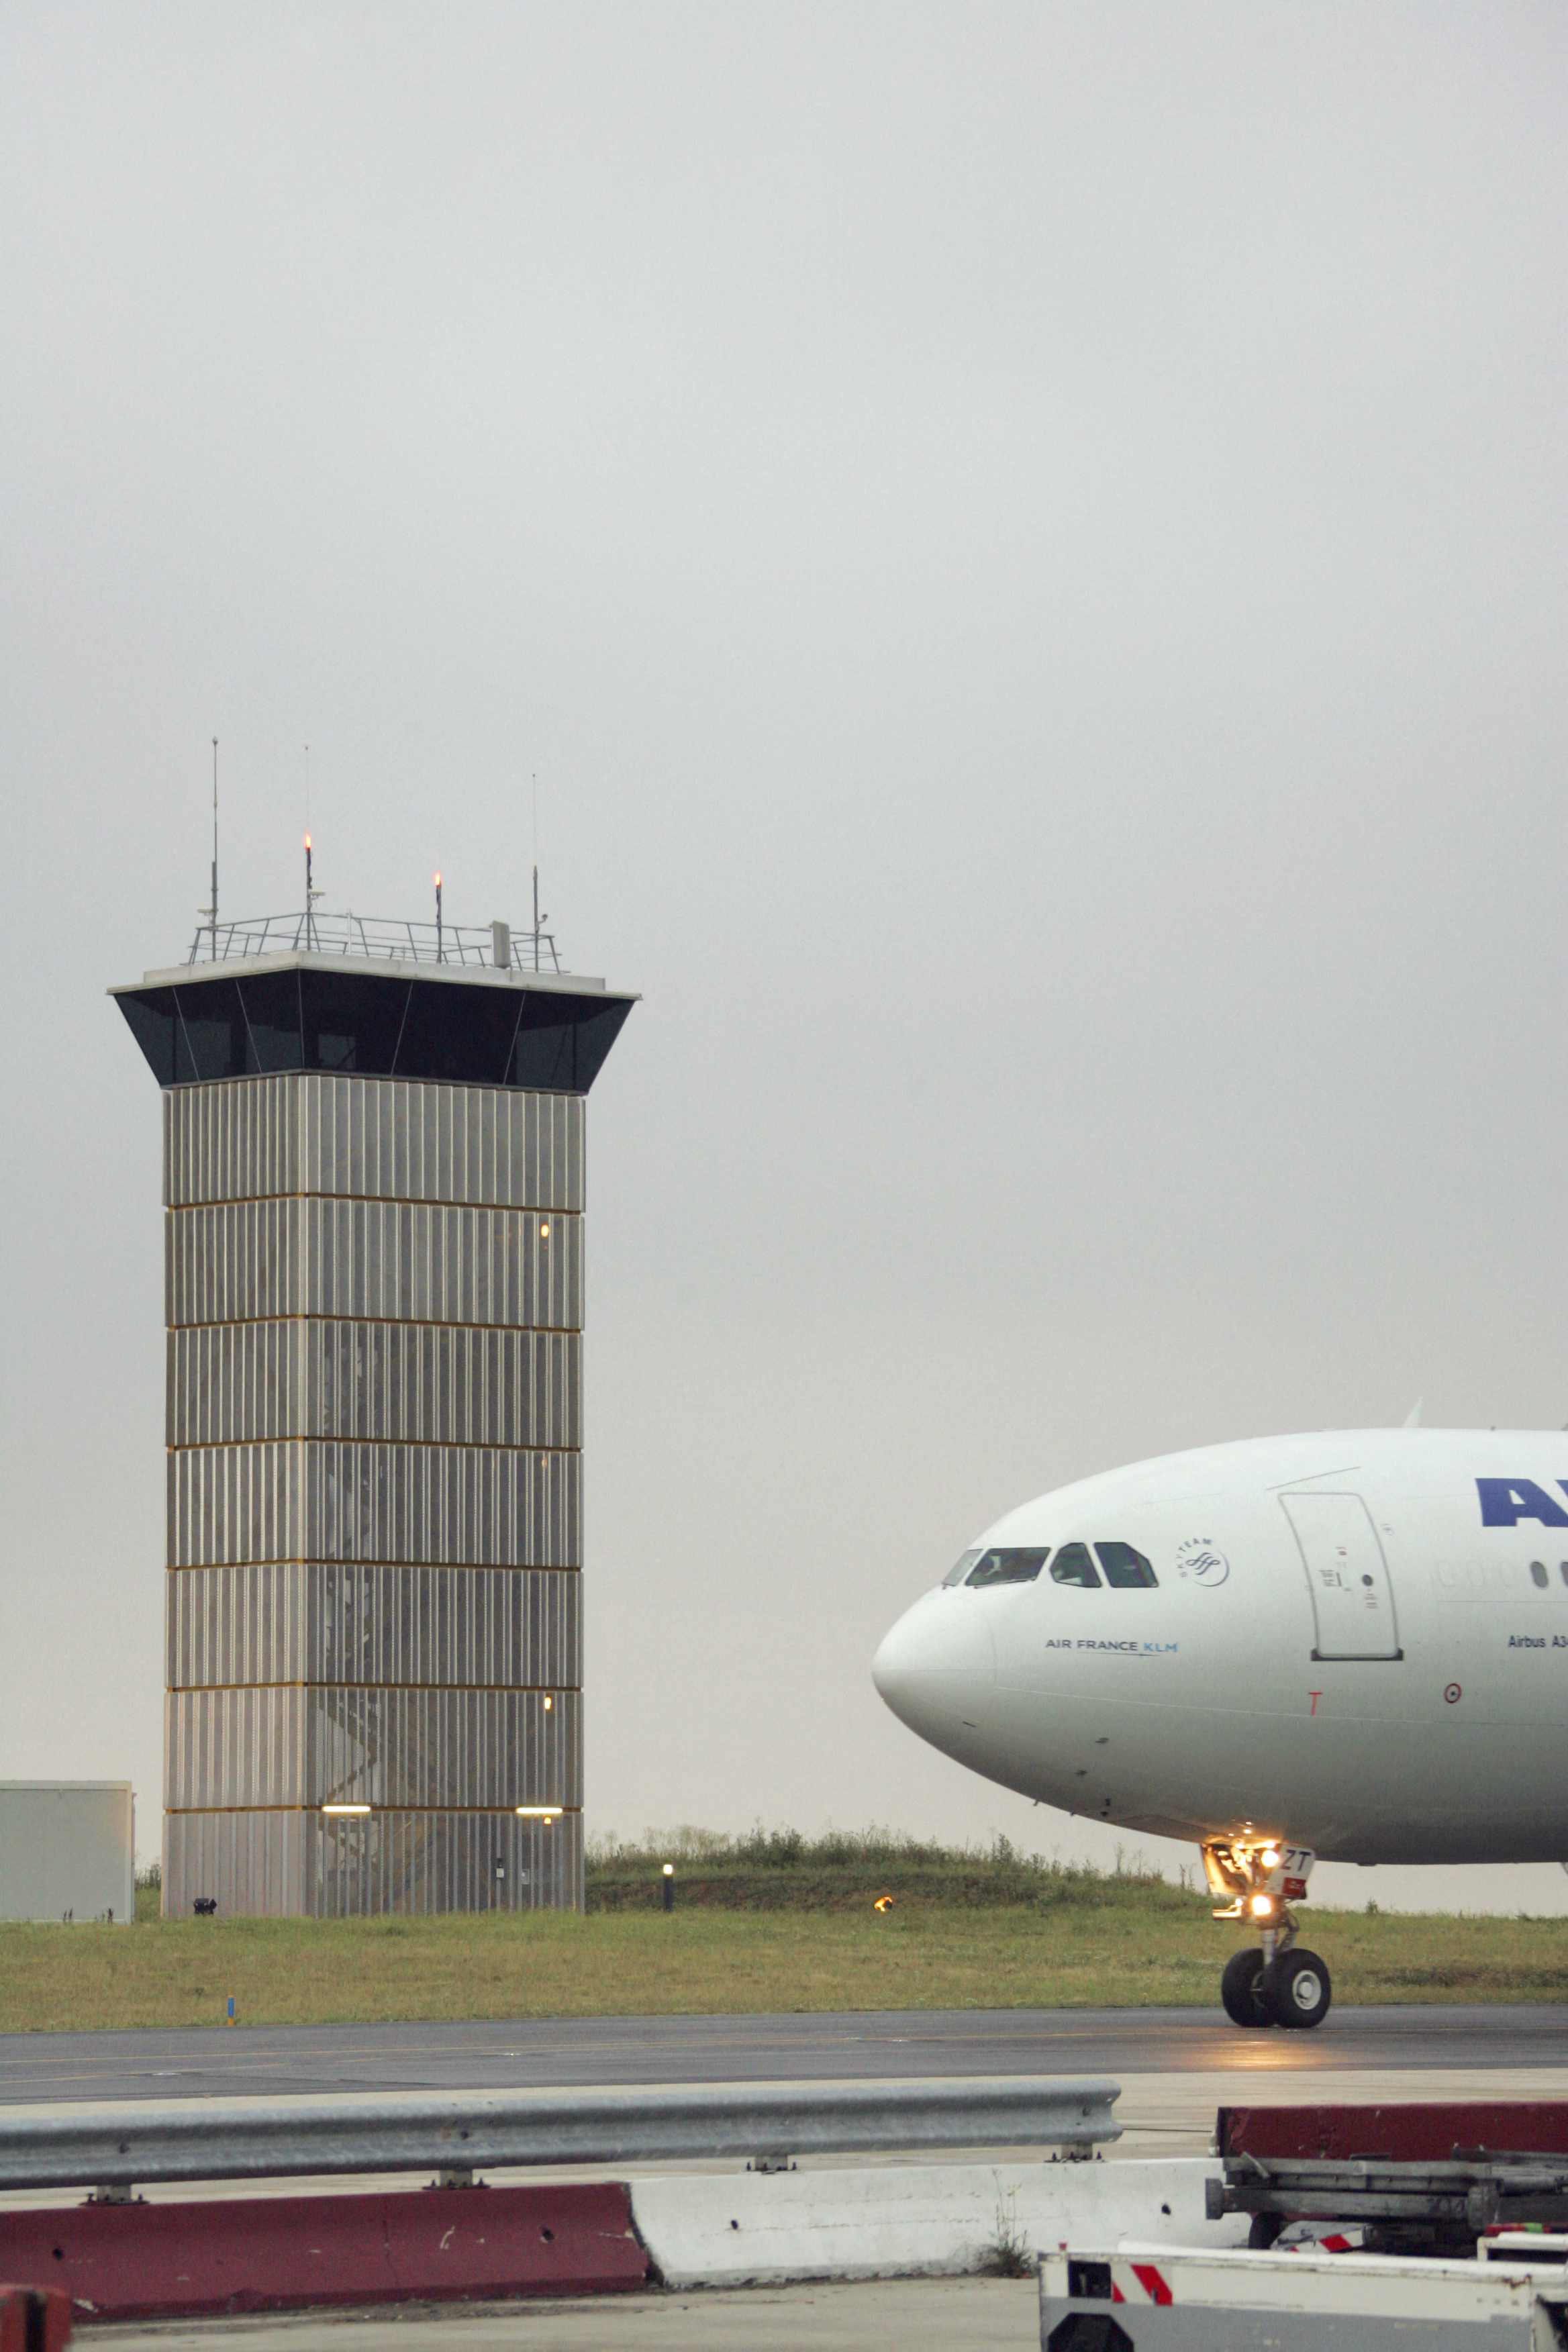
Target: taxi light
x=1270, y=1857
x=1262, y=1905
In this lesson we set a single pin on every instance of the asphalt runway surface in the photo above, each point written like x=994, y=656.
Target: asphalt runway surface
x=279, y=2061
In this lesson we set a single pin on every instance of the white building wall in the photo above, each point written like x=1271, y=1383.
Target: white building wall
x=68, y=1847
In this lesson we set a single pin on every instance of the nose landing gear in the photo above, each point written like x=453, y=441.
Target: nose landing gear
x=1274, y=1982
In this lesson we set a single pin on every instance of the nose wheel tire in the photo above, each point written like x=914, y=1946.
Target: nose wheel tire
x=1241, y=1989
x=1295, y=1990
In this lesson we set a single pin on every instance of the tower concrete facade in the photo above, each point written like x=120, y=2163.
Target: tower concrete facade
x=373, y=1300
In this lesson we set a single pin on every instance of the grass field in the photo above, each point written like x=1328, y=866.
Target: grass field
x=793, y=1930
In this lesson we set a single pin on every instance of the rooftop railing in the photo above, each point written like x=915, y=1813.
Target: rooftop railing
x=497, y=945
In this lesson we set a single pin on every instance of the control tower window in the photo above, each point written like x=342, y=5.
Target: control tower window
x=956, y=1574
x=1124, y=1567
x=1011, y=1566
x=1072, y=1565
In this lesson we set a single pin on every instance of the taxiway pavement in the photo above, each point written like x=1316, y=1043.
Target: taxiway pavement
x=1145, y=2043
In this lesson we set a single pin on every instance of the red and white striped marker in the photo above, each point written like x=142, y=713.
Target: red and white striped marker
x=1139, y=2283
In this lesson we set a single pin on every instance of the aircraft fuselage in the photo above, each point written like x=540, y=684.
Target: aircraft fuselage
x=1354, y=1642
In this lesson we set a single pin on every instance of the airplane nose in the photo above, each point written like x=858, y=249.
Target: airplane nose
x=936, y=1667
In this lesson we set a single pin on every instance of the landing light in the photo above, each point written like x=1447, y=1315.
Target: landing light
x=1270, y=1857
x=1262, y=1905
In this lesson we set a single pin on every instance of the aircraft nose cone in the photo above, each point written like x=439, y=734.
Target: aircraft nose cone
x=936, y=1667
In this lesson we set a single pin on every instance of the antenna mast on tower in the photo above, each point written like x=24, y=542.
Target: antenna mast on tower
x=536, y=917
x=311, y=894
x=210, y=911
x=215, y=850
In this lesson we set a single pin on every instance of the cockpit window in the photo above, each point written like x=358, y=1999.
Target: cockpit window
x=1124, y=1567
x=1072, y=1565
x=1010, y=1566
x=960, y=1569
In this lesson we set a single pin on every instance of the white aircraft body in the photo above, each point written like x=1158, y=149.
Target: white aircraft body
x=1352, y=1645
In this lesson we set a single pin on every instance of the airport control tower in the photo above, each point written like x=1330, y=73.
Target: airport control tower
x=373, y=1191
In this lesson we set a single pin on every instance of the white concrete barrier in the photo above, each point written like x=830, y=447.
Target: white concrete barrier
x=914, y=2219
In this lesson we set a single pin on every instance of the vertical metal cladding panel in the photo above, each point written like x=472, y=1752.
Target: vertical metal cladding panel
x=388, y=1138
x=355, y=1744
x=250, y=1862
x=449, y=1384
x=235, y=1261
x=445, y=1504
x=434, y=1861
x=315, y=1499
x=229, y=1382
x=228, y=1749
x=507, y=1628
x=248, y=1261
x=230, y=1139
x=414, y=1141
x=410, y=1747
x=236, y=1503
x=230, y=1625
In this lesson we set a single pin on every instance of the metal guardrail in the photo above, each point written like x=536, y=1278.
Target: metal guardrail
x=369, y=935
x=206, y=2141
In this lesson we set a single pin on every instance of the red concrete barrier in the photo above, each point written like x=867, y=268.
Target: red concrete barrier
x=277, y=2254
x=33, y=2319
x=1413, y=2134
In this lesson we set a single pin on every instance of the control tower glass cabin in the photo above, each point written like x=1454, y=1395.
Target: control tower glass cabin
x=373, y=1192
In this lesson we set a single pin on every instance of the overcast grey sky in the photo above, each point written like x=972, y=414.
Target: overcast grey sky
x=1025, y=547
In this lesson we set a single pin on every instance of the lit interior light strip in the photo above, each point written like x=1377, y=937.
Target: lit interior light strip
x=538, y=1812
x=345, y=1809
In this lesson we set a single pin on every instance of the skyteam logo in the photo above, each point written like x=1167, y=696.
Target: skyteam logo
x=1506, y=1501
x=1202, y=1562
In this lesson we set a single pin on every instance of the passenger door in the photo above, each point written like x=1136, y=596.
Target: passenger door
x=1352, y=1597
